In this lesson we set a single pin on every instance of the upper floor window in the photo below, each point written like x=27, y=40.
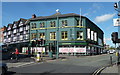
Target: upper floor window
x=33, y=25
x=52, y=24
x=21, y=23
x=79, y=23
x=64, y=35
x=64, y=23
x=88, y=33
x=14, y=26
x=80, y=35
x=42, y=35
x=95, y=36
x=42, y=25
x=9, y=28
x=52, y=35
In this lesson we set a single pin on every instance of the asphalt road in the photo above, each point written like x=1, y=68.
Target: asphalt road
x=83, y=64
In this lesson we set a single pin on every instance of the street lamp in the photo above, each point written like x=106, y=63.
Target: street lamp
x=57, y=52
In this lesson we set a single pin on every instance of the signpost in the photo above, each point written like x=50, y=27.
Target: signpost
x=117, y=23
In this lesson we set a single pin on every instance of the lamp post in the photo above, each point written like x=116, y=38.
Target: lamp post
x=57, y=52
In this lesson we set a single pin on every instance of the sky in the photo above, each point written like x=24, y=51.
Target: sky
x=101, y=13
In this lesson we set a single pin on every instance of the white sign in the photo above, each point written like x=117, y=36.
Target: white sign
x=71, y=50
x=38, y=49
x=116, y=22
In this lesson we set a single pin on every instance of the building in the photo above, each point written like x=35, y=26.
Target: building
x=16, y=35
x=1, y=35
x=70, y=33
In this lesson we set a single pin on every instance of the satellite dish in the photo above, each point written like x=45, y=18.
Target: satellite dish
x=57, y=10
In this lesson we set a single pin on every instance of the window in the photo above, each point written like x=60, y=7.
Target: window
x=20, y=23
x=64, y=23
x=95, y=36
x=52, y=24
x=79, y=24
x=64, y=35
x=52, y=35
x=33, y=35
x=92, y=35
x=33, y=25
x=42, y=35
x=14, y=26
x=79, y=35
x=42, y=25
x=88, y=33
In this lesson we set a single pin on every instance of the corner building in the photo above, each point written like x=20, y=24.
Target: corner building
x=75, y=34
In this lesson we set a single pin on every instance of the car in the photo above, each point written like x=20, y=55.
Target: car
x=3, y=68
x=111, y=51
x=105, y=51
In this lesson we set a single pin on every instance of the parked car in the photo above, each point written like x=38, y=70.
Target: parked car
x=111, y=51
x=105, y=51
x=3, y=68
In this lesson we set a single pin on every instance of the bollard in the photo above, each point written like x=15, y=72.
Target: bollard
x=38, y=57
x=111, y=60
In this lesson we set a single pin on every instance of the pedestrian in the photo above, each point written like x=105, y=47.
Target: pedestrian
x=16, y=53
x=33, y=52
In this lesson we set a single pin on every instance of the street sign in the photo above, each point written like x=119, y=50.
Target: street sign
x=116, y=22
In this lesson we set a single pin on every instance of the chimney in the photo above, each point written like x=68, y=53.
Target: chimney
x=33, y=16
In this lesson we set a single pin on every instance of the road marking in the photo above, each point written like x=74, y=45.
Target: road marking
x=24, y=64
x=98, y=71
x=50, y=60
x=64, y=59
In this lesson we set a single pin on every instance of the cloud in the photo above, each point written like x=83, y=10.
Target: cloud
x=93, y=9
x=104, y=17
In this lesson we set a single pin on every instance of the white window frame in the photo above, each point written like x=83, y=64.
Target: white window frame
x=88, y=33
x=21, y=23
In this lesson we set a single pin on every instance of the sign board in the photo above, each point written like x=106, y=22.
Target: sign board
x=116, y=22
x=72, y=50
x=38, y=49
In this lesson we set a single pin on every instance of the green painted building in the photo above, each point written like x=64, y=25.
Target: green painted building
x=66, y=33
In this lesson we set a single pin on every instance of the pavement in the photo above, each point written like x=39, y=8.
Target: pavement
x=11, y=63
x=111, y=70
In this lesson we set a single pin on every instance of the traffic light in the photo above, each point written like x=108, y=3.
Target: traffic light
x=116, y=5
x=114, y=37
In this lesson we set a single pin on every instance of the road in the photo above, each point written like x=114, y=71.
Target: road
x=82, y=64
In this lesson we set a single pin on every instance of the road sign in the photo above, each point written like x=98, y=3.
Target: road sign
x=116, y=22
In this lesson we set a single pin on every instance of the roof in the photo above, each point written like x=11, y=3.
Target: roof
x=11, y=25
x=55, y=16
x=23, y=20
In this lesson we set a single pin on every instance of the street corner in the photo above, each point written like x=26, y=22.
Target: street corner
x=113, y=69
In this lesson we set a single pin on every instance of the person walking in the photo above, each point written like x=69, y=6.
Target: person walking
x=16, y=53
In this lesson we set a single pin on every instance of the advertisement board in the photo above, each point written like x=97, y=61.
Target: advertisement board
x=72, y=50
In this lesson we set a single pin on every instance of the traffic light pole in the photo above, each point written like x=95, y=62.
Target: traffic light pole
x=117, y=8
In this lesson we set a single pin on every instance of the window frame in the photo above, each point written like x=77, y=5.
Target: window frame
x=52, y=35
x=79, y=34
x=64, y=35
